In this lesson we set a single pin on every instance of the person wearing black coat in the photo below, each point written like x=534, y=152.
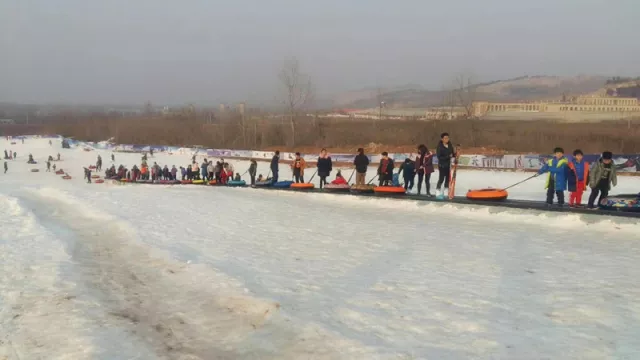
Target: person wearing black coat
x=408, y=171
x=253, y=169
x=274, y=166
x=325, y=165
x=445, y=152
x=361, y=163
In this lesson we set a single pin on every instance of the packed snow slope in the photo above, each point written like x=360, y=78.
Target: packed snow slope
x=102, y=271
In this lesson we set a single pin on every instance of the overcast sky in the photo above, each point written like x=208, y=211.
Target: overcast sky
x=206, y=51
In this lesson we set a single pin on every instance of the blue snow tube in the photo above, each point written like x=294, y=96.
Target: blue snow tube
x=624, y=202
x=283, y=184
x=264, y=183
x=236, y=183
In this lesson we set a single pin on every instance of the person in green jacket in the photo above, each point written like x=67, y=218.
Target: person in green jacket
x=602, y=177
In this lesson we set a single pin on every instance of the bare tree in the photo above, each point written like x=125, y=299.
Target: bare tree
x=465, y=93
x=298, y=92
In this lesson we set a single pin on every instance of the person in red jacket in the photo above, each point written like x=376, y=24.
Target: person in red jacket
x=340, y=180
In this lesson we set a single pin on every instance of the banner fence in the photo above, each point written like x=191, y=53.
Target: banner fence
x=624, y=163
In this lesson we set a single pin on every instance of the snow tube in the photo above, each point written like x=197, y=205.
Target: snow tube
x=185, y=182
x=302, y=186
x=337, y=188
x=282, y=184
x=487, y=194
x=263, y=184
x=396, y=190
x=124, y=180
x=626, y=203
x=237, y=183
x=99, y=181
x=362, y=189
x=67, y=177
x=59, y=172
x=95, y=176
x=213, y=182
x=197, y=182
x=35, y=170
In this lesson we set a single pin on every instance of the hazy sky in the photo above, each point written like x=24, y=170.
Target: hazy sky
x=206, y=51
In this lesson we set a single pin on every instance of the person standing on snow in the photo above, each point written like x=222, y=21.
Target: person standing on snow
x=361, y=163
x=203, y=170
x=174, y=171
x=253, y=169
x=408, y=170
x=87, y=174
x=274, y=166
x=297, y=167
x=424, y=168
x=325, y=166
x=6, y=167
x=385, y=170
x=48, y=166
x=113, y=158
x=211, y=170
x=602, y=178
x=445, y=152
x=58, y=156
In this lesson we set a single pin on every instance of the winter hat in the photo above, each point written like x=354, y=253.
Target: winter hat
x=607, y=155
x=558, y=150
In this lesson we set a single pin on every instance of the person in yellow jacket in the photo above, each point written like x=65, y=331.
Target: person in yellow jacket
x=297, y=166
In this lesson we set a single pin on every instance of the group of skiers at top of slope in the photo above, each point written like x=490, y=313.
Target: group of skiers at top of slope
x=422, y=166
x=576, y=175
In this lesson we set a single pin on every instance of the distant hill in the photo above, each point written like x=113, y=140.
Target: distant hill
x=524, y=88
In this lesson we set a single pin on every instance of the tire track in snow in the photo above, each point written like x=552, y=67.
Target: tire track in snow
x=162, y=303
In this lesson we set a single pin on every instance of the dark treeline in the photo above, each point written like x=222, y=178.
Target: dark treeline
x=235, y=133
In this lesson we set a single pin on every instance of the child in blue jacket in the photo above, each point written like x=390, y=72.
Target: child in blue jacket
x=557, y=167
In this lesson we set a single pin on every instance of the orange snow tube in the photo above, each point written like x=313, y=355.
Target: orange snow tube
x=99, y=181
x=95, y=176
x=67, y=177
x=302, y=186
x=389, y=190
x=213, y=182
x=487, y=194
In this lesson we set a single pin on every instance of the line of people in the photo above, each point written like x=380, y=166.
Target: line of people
x=222, y=172
x=576, y=176
x=422, y=166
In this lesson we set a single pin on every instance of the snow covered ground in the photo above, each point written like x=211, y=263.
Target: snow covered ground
x=101, y=271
